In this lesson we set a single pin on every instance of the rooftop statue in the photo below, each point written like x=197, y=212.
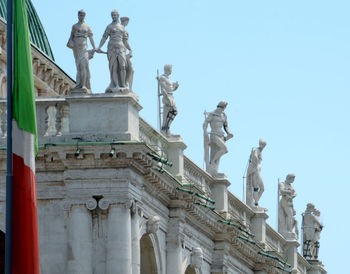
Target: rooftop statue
x=78, y=43
x=311, y=227
x=286, y=212
x=116, y=53
x=167, y=87
x=255, y=184
x=214, y=146
x=129, y=68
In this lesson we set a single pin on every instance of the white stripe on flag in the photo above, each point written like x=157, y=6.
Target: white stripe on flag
x=23, y=145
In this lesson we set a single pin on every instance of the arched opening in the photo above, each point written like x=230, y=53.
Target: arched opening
x=148, y=258
x=190, y=270
x=2, y=252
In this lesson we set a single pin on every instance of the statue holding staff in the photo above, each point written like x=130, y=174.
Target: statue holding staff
x=167, y=88
x=214, y=146
x=78, y=43
x=255, y=184
x=116, y=53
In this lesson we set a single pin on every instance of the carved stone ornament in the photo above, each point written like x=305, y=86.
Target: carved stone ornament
x=197, y=258
x=153, y=224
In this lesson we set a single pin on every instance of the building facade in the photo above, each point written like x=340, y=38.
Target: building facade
x=116, y=195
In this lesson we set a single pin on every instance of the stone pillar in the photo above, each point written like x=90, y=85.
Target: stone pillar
x=258, y=226
x=135, y=238
x=175, y=241
x=79, y=240
x=219, y=192
x=119, y=239
x=292, y=255
x=176, y=155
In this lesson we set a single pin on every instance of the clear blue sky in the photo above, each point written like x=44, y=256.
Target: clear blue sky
x=283, y=66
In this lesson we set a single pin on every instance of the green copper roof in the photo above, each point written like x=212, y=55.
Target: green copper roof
x=37, y=32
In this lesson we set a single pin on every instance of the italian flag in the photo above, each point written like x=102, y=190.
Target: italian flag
x=25, y=247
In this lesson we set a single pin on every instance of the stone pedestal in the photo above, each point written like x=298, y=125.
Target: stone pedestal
x=258, y=226
x=316, y=268
x=292, y=254
x=176, y=155
x=104, y=117
x=118, y=240
x=79, y=241
x=219, y=192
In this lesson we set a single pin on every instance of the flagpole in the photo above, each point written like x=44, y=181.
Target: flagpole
x=8, y=237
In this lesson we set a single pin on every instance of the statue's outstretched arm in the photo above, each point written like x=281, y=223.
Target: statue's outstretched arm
x=91, y=38
x=103, y=40
x=70, y=43
x=226, y=128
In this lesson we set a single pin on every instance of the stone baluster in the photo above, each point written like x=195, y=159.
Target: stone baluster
x=64, y=125
x=119, y=239
x=80, y=238
x=175, y=240
x=51, y=121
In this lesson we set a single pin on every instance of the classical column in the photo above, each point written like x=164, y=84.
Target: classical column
x=80, y=239
x=174, y=241
x=119, y=239
x=135, y=238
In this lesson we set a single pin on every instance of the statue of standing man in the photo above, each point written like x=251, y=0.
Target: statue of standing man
x=78, y=43
x=129, y=68
x=167, y=87
x=214, y=146
x=116, y=53
x=286, y=212
x=255, y=184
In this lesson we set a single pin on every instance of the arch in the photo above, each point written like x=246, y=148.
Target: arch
x=190, y=270
x=149, y=264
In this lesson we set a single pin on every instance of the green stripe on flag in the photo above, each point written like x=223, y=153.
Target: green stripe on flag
x=23, y=83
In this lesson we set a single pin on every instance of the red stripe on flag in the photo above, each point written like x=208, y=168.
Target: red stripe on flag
x=25, y=247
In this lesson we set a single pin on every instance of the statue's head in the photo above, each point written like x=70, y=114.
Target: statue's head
x=168, y=68
x=222, y=105
x=153, y=224
x=262, y=144
x=81, y=15
x=197, y=257
x=290, y=178
x=310, y=207
x=115, y=15
x=124, y=20
x=317, y=212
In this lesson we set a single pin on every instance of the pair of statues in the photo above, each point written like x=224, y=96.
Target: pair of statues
x=120, y=66
x=312, y=228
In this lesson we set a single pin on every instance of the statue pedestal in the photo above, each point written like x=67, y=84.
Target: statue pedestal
x=219, y=192
x=102, y=117
x=316, y=268
x=175, y=155
x=292, y=254
x=80, y=91
x=258, y=226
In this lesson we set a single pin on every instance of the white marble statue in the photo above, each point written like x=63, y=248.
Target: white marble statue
x=197, y=258
x=311, y=227
x=78, y=43
x=286, y=212
x=116, y=53
x=214, y=146
x=129, y=78
x=255, y=184
x=167, y=88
